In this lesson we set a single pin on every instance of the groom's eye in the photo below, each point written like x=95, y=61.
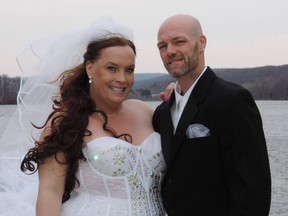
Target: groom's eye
x=162, y=46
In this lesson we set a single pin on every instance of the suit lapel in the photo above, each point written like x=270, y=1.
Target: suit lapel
x=197, y=96
x=167, y=129
x=187, y=117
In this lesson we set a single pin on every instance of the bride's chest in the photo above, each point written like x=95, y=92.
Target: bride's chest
x=116, y=158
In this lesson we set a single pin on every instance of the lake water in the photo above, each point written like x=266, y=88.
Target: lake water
x=275, y=121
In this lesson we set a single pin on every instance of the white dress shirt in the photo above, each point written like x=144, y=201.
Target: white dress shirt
x=180, y=101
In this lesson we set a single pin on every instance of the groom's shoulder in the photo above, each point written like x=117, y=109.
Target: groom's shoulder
x=163, y=105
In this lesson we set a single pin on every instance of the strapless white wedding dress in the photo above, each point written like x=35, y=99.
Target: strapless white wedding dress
x=117, y=179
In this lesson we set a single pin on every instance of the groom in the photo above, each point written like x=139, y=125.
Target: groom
x=211, y=134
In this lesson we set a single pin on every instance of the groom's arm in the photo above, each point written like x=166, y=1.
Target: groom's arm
x=245, y=157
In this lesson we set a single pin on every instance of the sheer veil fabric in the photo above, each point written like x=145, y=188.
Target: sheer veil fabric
x=41, y=62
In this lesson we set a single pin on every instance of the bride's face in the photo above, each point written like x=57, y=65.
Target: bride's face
x=112, y=75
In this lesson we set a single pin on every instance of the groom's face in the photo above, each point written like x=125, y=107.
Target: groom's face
x=178, y=49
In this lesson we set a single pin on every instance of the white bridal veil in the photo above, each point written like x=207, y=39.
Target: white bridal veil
x=41, y=62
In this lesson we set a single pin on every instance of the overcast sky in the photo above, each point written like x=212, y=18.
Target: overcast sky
x=246, y=33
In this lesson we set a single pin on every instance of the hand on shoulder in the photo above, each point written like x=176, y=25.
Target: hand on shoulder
x=165, y=96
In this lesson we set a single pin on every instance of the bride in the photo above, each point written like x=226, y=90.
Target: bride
x=95, y=152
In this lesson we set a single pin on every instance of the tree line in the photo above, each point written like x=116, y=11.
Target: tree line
x=264, y=83
x=9, y=87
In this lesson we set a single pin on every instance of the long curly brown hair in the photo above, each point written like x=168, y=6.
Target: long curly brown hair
x=69, y=118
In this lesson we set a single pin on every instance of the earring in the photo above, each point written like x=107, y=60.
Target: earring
x=90, y=80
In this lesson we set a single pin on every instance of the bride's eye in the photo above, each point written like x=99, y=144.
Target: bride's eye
x=111, y=68
x=130, y=70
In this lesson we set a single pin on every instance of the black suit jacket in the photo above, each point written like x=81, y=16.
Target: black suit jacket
x=226, y=173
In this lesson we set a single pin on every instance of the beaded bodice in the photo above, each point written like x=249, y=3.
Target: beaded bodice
x=119, y=178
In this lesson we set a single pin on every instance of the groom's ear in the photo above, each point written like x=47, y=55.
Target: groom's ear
x=203, y=42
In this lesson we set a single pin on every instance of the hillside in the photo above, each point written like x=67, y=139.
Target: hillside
x=264, y=83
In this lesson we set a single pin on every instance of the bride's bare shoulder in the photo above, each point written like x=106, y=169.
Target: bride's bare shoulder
x=139, y=105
